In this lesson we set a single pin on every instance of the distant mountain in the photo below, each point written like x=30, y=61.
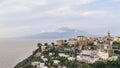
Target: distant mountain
x=61, y=33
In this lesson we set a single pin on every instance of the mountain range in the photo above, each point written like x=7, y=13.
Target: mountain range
x=59, y=34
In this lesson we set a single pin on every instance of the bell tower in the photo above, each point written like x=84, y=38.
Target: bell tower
x=109, y=35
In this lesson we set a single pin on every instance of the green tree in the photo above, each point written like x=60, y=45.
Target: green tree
x=52, y=43
x=39, y=46
x=46, y=44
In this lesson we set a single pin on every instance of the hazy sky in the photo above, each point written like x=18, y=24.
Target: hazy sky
x=26, y=17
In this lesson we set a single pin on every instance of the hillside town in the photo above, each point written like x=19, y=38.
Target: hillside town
x=75, y=51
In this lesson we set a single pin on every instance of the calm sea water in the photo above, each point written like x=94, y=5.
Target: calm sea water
x=13, y=51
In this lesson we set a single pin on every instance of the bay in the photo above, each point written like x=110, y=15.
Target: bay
x=12, y=51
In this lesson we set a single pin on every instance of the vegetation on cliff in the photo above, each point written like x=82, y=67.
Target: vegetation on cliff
x=64, y=61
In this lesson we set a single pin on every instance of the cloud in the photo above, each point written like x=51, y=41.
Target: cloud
x=24, y=17
x=61, y=11
x=116, y=0
x=28, y=3
x=66, y=11
x=17, y=6
x=2, y=20
x=13, y=9
x=24, y=9
x=94, y=13
x=82, y=2
x=71, y=2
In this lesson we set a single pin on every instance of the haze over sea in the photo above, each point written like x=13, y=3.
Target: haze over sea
x=13, y=51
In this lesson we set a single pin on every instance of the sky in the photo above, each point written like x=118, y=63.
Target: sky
x=28, y=17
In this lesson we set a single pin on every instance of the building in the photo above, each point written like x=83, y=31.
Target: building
x=78, y=57
x=42, y=65
x=83, y=41
x=35, y=63
x=81, y=38
x=89, y=56
x=59, y=42
x=72, y=41
x=116, y=39
x=107, y=38
x=56, y=61
x=103, y=55
x=71, y=58
x=63, y=55
x=79, y=41
x=113, y=58
x=43, y=48
x=104, y=44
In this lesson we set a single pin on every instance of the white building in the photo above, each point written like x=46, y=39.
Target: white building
x=103, y=55
x=78, y=57
x=71, y=58
x=56, y=61
x=45, y=59
x=63, y=55
x=88, y=56
x=42, y=65
x=50, y=54
x=35, y=63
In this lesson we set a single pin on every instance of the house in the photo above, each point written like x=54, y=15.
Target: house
x=103, y=55
x=116, y=39
x=38, y=54
x=113, y=58
x=56, y=61
x=63, y=55
x=80, y=41
x=35, y=63
x=71, y=58
x=89, y=56
x=50, y=54
x=43, y=48
x=59, y=42
x=83, y=41
x=45, y=59
x=42, y=65
x=72, y=41
x=78, y=57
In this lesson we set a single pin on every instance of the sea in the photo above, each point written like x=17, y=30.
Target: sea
x=12, y=51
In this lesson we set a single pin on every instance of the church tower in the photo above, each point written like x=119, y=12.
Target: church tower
x=109, y=35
